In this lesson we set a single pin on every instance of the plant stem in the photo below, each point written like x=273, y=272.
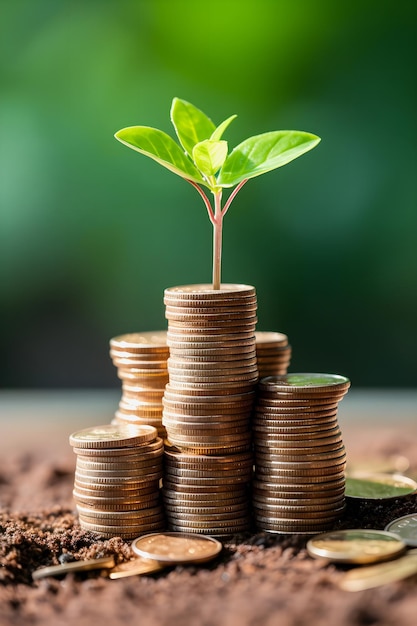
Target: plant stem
x=217, y=240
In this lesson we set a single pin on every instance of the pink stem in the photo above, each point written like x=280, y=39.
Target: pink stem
x=233, y=195
x=205, y=200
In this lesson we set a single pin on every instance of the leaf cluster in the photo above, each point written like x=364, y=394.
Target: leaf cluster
x=202, y=156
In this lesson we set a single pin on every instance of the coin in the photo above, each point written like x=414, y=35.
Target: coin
x=106, y=562
x=108, y=436
x=356, y=546
x=379, y=486
x=150, y=340
x=125, y=453
x=406, y=528
x=125, y=532
x=381, y=574
x=302, y=382
x=204, y=291
x=135, y=567
x=172, y=547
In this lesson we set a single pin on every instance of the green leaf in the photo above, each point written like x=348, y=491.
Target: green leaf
x=162, y=148
x=264, y=153
x=209, y=156
x=191, y=124
x=218, y=133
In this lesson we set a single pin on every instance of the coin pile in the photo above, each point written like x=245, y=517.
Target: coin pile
x=273, y=353
x=299, y=483
x=116, y=486
x=208, y=402
x=141, y=361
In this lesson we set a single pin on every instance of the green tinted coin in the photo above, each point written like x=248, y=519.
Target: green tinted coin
x=379, y=486
x=356, y=546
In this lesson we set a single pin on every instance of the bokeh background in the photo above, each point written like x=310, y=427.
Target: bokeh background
x=91, y=233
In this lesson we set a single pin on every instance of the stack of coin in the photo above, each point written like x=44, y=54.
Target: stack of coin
x=207, y=494
x=141, y=361
x=209, y=399
x=116, y=487
x=273, y=353
x=299, y=484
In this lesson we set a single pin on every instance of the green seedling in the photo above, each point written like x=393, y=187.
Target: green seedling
x=203, y=159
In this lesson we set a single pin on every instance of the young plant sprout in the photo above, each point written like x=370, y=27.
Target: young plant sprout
x=204, y=161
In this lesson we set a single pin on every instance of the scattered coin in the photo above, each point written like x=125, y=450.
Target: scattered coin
x=381, y=574
x=173, y=547
x=406, y=528
x=135, y=567
x=356, y=546
x=106, y=562
x=366, y=486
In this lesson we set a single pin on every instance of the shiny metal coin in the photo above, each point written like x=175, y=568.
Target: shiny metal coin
x=406, y=528
x=356, y=546
x=106, y=562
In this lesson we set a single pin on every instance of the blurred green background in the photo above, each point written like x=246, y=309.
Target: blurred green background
x=91, y=233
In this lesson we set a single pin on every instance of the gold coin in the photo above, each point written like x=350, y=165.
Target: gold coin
x=285, y=491
x=293, y=527
x=223, y=527
x=205, y=291
x=176, y=548
x=381, y=574
x=279, y=458
x=218, y=388
x=173, y=485
x=113, y=518
x=215, y=450
x=116, y=465
x=298, y=500
x=218, y=516
x=106, y=562
x=132, y=361
x=270, y=338
x=108, y=436
x=125, y=453
x=235, y=475
x=116, y=504
x=154, y=341
x=135, y=567
x=186, y=364
x=210, y=527
x=356, y=546
x=125, y=532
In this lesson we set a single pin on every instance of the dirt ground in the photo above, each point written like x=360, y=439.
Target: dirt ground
x=258, y=580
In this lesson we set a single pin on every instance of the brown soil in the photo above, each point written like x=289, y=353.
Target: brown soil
x=258, y=580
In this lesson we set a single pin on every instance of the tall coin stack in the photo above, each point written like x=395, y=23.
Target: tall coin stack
x=299, y=484
x=207, y=407
x=116, y=486
x=141, y=361
x=273, y=353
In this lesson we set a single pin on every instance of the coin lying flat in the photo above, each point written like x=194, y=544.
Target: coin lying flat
x=172, y=547
x=379, y=486
x=108, y=436
x=135, y=567
x=106, y=562
x=406, y=528
x=356, y=546
x=381, y=574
